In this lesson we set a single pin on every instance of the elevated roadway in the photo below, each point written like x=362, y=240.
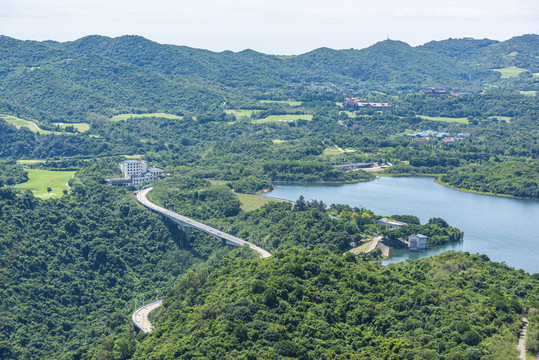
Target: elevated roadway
x=140, y=316
x=186, y=223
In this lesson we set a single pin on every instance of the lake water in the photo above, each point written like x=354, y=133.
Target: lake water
x=505, y=229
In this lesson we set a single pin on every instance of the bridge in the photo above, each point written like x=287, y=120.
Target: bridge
x=187, y=223
x=140, y=316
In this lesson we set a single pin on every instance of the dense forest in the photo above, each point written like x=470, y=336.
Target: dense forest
x=71, y=269
x=322, y=305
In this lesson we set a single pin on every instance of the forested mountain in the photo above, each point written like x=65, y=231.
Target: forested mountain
x=97, y=76
x=520, y=51
x=322, y=305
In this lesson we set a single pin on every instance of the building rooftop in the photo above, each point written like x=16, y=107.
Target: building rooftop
x=392, y=222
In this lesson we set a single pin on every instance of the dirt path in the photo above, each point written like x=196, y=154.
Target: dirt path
x=521, y=347
x=344, y=151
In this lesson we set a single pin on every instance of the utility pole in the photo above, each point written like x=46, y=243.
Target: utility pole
x=142, y=299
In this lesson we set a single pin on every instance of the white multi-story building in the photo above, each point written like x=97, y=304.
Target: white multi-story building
x=135, y=173
x=133, y=167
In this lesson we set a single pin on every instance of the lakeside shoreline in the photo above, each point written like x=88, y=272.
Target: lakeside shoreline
x=437, y=179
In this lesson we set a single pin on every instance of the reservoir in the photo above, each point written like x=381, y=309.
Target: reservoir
x=505, y=229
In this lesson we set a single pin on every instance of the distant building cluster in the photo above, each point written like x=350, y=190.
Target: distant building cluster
x=354, y=166
x=357, y=103
x=135, y=173
x=425, y=136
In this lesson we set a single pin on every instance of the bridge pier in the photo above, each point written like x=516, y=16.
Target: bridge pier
x=185, y=229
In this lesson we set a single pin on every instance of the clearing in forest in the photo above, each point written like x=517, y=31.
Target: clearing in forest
x=445, y=119
x=287, y=102
x=80, y=127
x=508, y=72
x=241, y=113
x=18, y=123
x=283, y=118
x=252, y=202
x=148, y=115
x=39, y=180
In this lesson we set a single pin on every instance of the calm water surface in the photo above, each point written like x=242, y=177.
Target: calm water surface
x=505, y=229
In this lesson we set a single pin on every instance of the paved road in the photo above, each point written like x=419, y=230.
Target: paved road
x=373, y=244
x=140, y=316
x=141, y=197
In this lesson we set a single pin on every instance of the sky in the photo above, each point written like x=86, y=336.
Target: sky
x=284, y=27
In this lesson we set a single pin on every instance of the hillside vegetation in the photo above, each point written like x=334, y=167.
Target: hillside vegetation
x=322, y=305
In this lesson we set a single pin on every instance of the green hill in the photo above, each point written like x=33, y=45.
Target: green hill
x=96, y=76
x=323, y=305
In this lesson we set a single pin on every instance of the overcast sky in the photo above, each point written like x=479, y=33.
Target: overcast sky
x=270, y=26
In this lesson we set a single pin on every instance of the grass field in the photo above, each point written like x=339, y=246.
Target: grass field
x=30, y=162
x=252, y=202
x=136, y=157
x=283, y=118
x=240, y=113
x=290, y=103
x=140, y=116
x=361, y=248
x=81, y=127
x=39, y=180
x=445, y=119
x=18, y=123
x=509, y=72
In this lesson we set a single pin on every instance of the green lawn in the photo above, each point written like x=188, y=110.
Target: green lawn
x=39, y=180
x=148, y=115
x=252, y=202
x=18, y=123
x=136, y=156
x=30, y=162
x=283, y=118
x=361, y=248
x=240, y=113
x=509, y=72
x=290, y=103
x=81, y=127
x=331, y=151
x=444, y=119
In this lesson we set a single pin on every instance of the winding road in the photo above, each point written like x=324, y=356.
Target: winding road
x=140, y=316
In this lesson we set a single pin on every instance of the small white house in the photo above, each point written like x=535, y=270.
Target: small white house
x=417, y=242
